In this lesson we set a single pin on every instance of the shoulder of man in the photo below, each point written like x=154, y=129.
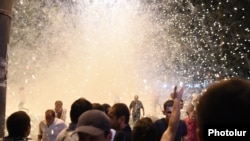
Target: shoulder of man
x=42, y=123
x=61, y=135
x=183, y=127
x=64, y=110
x=182, y=123
x=160, y=123
x=132, y=103
x=58, y=121
x=122, y=136
x=66, y=135
x=161, y=120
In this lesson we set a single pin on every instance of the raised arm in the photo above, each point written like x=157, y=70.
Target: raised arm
x=169, y=134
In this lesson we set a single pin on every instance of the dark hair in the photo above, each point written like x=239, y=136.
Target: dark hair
x=18, y=123
x=144, y=130
x=121, y=109
x=226, y=102
x=106, y=107
x=52, y=112
x=59, y=102
x=80, y=106
x=168, y=103
x=98, y=106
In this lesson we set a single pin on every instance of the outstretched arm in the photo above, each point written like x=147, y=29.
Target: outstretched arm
x=169, y=134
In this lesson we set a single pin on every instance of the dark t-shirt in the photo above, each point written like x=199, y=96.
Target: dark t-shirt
x=14, y=139
x=124, y=134
x=161, y=126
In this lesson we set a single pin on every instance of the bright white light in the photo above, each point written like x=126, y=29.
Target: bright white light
x=181, y=84
x=164, y=86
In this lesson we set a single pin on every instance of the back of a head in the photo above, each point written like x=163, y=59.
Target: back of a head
x=106, y=107
x=80, y=106
x=144, y=130
x=224, y=103
x=98, y=106
x=18, y=124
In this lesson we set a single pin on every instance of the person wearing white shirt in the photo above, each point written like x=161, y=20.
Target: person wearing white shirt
x=50, y=127
x=60, y=111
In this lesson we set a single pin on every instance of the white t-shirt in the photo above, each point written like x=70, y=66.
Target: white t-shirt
x=63, y=116
x=66, y=134
x=50, y=133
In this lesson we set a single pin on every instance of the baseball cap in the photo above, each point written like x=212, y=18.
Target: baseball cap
x=93, y=122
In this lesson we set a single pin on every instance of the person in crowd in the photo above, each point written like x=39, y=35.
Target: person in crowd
x=191, y=123
x=162, y=124
x=181, y=101
x=93, y=125
x=181, y=104
x=173, y=126
x=98, y=106
x=119, y=116
x=106, y=107
x=189, y=108
x=195, y=99
x=18, y=126
x=21, y=104
x=60, y=111
x=50, y=127
x=144, y=130
x=78, y=107
x=225, y=105
x=135, y=108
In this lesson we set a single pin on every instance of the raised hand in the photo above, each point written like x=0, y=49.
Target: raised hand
x=178, y=93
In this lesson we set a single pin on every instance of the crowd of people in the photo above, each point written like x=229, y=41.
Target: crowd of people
x=224, y=105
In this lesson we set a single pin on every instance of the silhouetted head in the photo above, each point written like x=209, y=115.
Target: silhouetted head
x=224, y=103
x=80, y=106
x=144, y=130
x=18, y=125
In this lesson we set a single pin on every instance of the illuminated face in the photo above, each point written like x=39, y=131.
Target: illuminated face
x=192, y=115
x=58, y=107
x=168, y=111
x=49, y=118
